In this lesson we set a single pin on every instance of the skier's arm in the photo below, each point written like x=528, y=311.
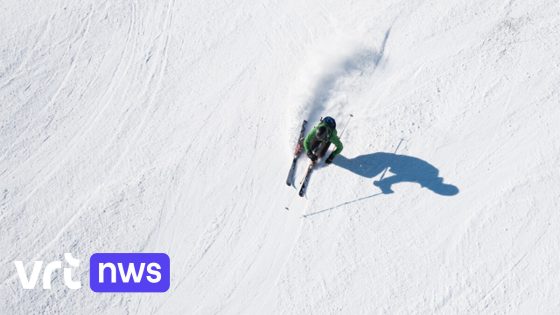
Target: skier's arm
x=309, y=138
x=336, y=141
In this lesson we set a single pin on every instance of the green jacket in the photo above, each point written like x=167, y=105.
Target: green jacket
x=333, y=138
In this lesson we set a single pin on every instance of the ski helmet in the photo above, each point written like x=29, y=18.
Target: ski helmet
x=322, y=133
x=329, y=121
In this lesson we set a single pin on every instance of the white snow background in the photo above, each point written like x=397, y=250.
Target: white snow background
x=168, y=126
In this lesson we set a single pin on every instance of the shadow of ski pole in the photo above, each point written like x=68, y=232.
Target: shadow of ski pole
x=341, y=205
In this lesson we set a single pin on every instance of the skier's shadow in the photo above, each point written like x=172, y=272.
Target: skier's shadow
x=404, y=168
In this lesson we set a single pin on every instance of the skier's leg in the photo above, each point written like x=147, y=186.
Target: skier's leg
x=313, y=145
x=323, y=149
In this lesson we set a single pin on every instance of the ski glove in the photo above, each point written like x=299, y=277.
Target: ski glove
x=311, y=156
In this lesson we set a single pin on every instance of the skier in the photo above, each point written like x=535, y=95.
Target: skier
x=319, y=139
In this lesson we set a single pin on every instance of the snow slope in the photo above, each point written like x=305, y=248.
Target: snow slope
x=167, y=126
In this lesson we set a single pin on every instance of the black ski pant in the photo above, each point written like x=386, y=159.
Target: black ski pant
x=319, y=148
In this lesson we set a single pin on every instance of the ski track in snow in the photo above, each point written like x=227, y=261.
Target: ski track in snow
x=160, y=127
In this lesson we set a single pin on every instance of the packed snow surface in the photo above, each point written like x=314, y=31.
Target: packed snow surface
x=169, y=126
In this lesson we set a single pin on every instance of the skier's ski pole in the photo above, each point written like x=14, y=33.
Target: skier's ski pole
x=346, y=125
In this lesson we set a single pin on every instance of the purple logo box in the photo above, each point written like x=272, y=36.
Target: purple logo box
x=129, y=272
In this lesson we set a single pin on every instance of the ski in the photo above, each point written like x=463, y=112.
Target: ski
x=305, y=182
x=297, y=153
